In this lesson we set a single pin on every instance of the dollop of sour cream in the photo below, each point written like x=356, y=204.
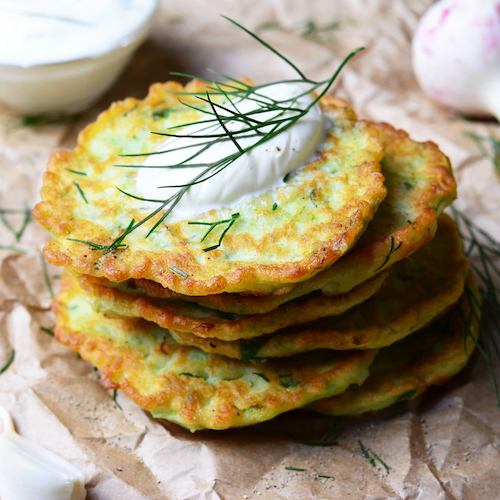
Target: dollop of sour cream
x=34, y=32
x=253, y=173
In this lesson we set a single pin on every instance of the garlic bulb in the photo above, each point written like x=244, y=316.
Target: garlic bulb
x=456, y=55
x=30, y=472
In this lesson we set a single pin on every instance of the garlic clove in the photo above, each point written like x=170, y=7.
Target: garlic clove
x=29, y=471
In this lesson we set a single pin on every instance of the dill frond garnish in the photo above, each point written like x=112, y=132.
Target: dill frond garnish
x=14, y=249
x=115, y=401
x=9, y=361
x=213, y=225
x=81, y=192
x=47, y=330
x=391, y=251
x=295, y=469
x=365, y=453
x=26, y=219
x=371, y=458
x=46, y=276
x=491, y=150
x=483, y=252
x=308, y=29
x=219, y=106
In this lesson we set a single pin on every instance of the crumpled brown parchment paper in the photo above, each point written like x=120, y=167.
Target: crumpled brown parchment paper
x=444, y=445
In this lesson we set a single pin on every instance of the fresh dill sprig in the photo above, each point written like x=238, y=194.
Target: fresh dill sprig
x=46, y=275
x=26, y=219
x=365, y=453
x=491, y=150
x=391, y=251
x=14, y=249
x=284, y=114
x=483, y=252
x=9, y=361
x=307, y=29
x=213, y=225
x=115, y=401
x=371, y=458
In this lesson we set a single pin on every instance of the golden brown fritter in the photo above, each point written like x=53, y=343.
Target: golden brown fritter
x=417, y=290
x=187, y=317
x=420, y=185
x=188, y=386
x=406, y=369
x=282, y=237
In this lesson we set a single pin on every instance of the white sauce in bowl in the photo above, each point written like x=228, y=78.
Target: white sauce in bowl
x=34, y=32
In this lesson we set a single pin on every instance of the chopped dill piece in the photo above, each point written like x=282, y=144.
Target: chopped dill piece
x=333, y=429
x=325, y=476
x=386, y=467
x=76, y=172
x=365, y=453
x=285, y=114
x=391, y=251
x=289, y=383
x=44, y=119
x=81, y=192
x=494, y=145
x=285, y=179
x=9, y=361
x=261, y=375
x=46, y=276
x=275, y=206
x=295, y=469
x=14, y=249
x=47, y=330
x=115, y=401
x=406, y=395
x=213, y=225
x=178, y=271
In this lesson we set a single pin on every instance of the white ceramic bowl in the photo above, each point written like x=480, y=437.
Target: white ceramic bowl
x=67, y=86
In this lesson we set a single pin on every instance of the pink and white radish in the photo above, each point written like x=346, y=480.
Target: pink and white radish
x=456, y=55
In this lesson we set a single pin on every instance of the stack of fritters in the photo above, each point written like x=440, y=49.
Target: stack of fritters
x=312, y=297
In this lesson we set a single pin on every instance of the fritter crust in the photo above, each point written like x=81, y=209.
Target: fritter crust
x=417, y=291
x=186, y=385
x=406, y=369
x=207, y=323
x=420, y=185
x=320, y=213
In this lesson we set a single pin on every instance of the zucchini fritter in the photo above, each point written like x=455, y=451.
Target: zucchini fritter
x=187, y=317
x=407, y=368
x=420, y=184
x=417, y=291
x=188, y=386
x=318, y=214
